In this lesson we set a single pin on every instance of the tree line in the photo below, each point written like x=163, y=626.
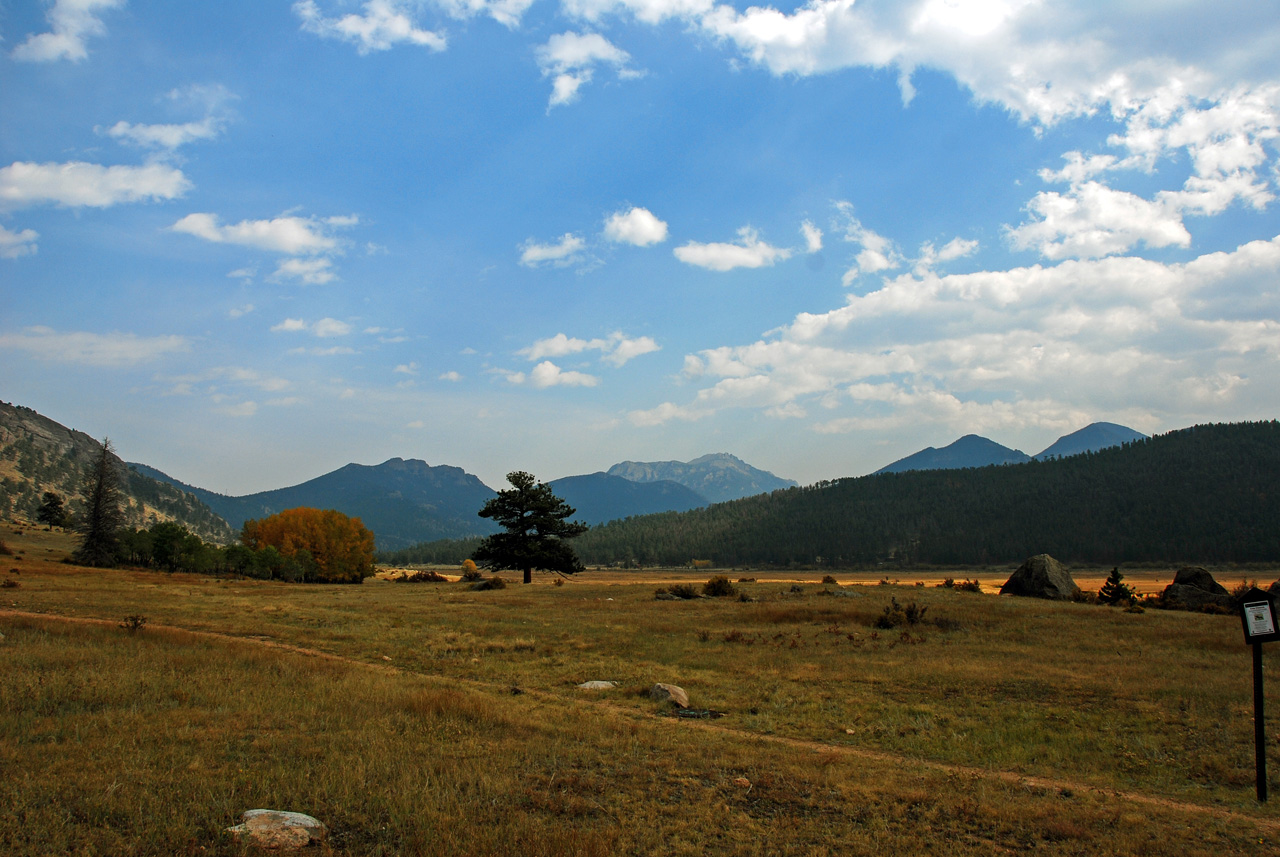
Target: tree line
x=1206, y=494
x=303, y=544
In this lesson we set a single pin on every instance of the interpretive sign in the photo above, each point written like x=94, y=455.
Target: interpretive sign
x=1258, y=612
x=1258, y=615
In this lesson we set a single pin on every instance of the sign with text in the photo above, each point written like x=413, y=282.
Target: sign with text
x=1258, y=613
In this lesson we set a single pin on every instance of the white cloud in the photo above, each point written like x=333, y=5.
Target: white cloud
x=406, y=369
x=77, y=184
x=1093, y=220
x=325, y=327
x=564, y=252
x=571, y=58
x=107, y=350
x=617, y=349
x=310, y=271
x=285, y=234
x=450, y=376
x=384, y=24
x=636, y=226
x=749, y=252
x=876, y=253
x=214, y=381
x=547, y=374
x=812, y=237
x=1050, y=346
x=70, y=22
x=14, y=245
x=240, y=311
x=505, y=12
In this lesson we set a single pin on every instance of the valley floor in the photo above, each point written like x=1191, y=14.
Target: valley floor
x=430, y=719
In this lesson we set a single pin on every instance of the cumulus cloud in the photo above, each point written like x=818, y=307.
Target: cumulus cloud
x=875, y=252
x=547, y=374
x=384, y=24
x=317, y=271
x=286, y=234
x=14, y=245
x=749, y=252
x=107, y=350
x=505, y=12
x=617, y=349
x=570, y=59
x=636, y=226
x=71, y=22
x=77, y=184
x=1050, y=346
x=566, y=251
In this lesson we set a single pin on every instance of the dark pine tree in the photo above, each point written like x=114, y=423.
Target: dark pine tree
x=537, y=530
x=102, y=516
x=52, y=510
x=1113, y=591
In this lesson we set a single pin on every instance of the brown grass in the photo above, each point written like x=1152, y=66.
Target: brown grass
x=433, y=720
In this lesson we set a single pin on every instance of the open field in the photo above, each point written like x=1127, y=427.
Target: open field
x=430, y=719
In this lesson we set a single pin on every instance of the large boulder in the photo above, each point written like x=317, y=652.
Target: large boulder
x=669, y=693
x=273, y=828
x=1194, y=588
x=1041, y=576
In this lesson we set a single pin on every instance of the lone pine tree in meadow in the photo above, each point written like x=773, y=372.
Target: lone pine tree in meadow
x=537, y=530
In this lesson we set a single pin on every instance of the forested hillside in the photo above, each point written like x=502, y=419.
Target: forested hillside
x=1209, y=493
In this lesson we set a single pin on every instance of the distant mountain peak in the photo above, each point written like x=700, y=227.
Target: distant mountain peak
x=717, y=476
x=1091, y=438
x=971, y=450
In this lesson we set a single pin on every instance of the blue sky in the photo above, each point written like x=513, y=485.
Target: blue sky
x=254, y=241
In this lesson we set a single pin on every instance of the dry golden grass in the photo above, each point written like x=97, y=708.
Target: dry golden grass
x=429, y=719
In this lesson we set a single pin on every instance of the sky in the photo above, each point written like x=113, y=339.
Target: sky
x=251, y=242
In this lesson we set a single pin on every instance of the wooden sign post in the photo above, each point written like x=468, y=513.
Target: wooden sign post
x=1258, y=613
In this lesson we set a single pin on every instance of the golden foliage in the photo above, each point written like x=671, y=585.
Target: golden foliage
x=340, y=547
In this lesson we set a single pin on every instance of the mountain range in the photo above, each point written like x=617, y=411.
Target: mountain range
x=975, y=451
x=407, y=501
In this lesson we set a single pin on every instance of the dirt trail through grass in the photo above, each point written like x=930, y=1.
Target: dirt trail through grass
x=1031, y=783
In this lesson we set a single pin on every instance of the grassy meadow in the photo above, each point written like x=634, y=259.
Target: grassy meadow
x=431, y=719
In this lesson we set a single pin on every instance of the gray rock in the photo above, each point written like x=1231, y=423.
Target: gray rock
x=1200, y=578
x=669, y=693
x=273, y=828
x=1194, y=588
x=1041, y=576
x=598, y=685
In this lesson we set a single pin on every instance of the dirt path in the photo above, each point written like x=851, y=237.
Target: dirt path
x=1052, y=784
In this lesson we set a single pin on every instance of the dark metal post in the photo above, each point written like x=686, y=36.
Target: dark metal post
x=1259, y=725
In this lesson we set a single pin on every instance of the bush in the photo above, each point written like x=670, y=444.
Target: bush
x=10, y=583
x=683, y=590
x=5, y=550
x=425, y=576
x=491, y=583
x=895, y=615
x=718, y=587
x=969, y=585
x=470, y=574
x=828, y=579
x=133, y=622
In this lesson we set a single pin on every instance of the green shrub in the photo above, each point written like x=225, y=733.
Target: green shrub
x=969, y=585
x=490, y=583
x=683, y=590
